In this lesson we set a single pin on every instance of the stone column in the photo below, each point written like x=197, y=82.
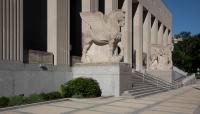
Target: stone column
x=15, y=32
x=21, y=30
x=88, y=6
x=165, y=38
x=52, y=28
x=170, y=37
x=127, y=38
x=4, y=29
x=138, y=36
x=160, y=35
x=110, y=5
x=1, y=30
x=147, y=38
x=18, y=30
x=12, y=30
x=7, y=29
x=63, y=32
x=154, y=32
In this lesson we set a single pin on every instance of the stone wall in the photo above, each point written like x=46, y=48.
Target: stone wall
x=16, y=79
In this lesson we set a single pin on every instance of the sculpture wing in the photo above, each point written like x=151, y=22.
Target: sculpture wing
x=94, y=20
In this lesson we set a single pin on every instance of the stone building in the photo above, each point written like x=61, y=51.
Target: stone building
x=41, y=40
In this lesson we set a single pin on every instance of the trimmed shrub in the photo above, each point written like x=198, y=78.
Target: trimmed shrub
x=4, y=101
x=51, y=95
x=80, y=87
x=44, y=96
x=34, y=98
x=54, y=95
x=16, y=100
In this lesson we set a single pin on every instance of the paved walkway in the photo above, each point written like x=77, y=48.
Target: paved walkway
x=182, y=101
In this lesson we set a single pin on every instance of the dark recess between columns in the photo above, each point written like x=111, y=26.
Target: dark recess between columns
x=35, y=25
x=102, y=6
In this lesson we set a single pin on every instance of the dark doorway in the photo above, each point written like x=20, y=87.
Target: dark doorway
x=120, y=4
x=35, y=25
x=75, y=28
x=102, y=6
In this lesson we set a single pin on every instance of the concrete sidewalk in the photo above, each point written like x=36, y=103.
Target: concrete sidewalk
x=181, y=101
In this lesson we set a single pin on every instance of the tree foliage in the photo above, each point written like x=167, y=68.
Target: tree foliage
x=186, y=54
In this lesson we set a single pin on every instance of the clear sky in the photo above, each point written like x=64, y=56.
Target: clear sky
x=186, y=15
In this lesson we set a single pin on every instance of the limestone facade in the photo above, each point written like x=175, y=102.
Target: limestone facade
x=148, y=22
x=60, y=29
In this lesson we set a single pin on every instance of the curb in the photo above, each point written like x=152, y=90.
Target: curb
x=33, y=104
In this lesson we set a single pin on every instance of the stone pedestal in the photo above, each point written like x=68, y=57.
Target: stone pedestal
x=113, y=78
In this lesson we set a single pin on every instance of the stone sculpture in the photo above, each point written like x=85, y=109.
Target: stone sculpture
x=161, y=58
x=103, y=30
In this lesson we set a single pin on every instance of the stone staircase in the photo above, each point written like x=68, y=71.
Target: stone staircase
x=144, y=85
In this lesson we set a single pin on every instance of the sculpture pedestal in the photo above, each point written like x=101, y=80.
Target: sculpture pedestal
x=113, y=78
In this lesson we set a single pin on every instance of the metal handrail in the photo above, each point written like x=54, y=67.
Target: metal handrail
x=156, y=81
x=156, y=78
x=151, y=80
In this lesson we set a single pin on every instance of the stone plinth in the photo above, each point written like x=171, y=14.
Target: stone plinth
x=40, y=57
x=113, y=78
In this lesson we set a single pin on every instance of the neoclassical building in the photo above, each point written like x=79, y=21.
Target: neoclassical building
x=41, y=40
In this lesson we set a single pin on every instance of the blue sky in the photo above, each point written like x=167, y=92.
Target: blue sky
x=186, y=15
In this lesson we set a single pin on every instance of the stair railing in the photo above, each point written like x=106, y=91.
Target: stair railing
x=155, y=80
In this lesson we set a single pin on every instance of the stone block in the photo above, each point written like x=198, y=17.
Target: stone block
x=40, y=57
x=113, y=78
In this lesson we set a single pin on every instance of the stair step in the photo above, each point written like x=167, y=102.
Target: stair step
x=142, y=84
x=145, y=91
x=147, y=94
x=142, y=89
x=136, y=78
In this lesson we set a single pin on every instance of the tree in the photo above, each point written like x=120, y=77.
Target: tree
x=183, y=35
x=186, y=54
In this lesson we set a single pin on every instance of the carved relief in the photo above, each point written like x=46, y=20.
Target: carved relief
x=161, y=58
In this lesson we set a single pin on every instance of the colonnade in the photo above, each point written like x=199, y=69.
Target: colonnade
x=142, y=30
x=11, y=30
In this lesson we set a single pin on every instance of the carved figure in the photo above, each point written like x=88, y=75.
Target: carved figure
x=161, y=58
x=155, y=52
x=103, y=30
